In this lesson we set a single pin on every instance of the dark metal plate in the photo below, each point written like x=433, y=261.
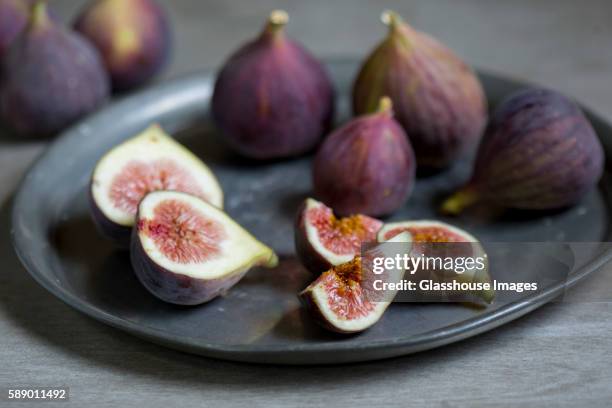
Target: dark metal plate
x=260, y=320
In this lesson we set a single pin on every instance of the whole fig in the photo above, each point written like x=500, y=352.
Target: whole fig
x=367, y=166
x=133, y=37
x=538, y=152
x=51, y=78
x=437, y=98
x=13, y=20
x=272, y=98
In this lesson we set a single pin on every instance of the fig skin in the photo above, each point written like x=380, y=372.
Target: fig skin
x=366, y=166
x=273, y=99
x=174, y=287
x=308, y=255
x=437, y=97
x=133, y=37
x=539, y=153
x=13, y=20
x=51, y=78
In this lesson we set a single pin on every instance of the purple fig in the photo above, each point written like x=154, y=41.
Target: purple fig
x=438, y=99
x=367, y=166
x=51, y=78
x=133, y=37
x=539, y=152
x=272, y=98
x=13, y=20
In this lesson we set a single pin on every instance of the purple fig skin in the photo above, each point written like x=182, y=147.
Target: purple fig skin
x=307, y=254
x=51, y=78
x=539, y=153
x=366, y=167
x=437, y=97
x=172, y=287
x=273, y=99
x=133, y=37
x=13, y=20
x=120, y=235
x=306, y=298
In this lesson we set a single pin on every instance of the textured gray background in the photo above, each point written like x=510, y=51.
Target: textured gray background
x=558, y=356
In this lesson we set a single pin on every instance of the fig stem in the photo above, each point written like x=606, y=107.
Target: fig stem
x=277, y=20
x=459, y=201
x=391, y=19
x=39, y=13
x=385, y=105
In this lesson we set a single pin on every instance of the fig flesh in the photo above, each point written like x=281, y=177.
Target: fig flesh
x=150, y=161
x=322, y=240
x=132, y=36
x=338, y=299
x=455, y=242
x=366, y=166
x=273, y=99
x=13, y=20
x=51, y=78
x=539, y=153
x=438, y=99
x=186, y=251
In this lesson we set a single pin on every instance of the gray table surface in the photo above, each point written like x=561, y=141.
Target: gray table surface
x=558, y=356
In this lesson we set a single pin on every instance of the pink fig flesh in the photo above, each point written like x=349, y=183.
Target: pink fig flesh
x=186, y=251
x=322, y=240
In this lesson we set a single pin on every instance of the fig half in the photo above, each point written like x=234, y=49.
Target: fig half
x=322, y=240
x=151, y=161
x=339, y=299
x=425, y=232
x=186, y=251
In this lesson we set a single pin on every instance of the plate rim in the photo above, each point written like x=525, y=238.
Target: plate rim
x=247, y=353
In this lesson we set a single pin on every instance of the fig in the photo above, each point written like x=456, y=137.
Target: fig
x=322, y=240
x=339, y=299
x=51, y=78
x=13, y=20
x=539, y=152
x=367, y=166
x=438, y=99
x=150, y=161
x=425, y=234
x=187, y=252
x=133, y=37
x=273, y=99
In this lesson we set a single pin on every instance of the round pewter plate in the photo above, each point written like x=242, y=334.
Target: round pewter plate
x=260, y=319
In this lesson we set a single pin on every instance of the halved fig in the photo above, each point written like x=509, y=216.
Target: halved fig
x=151, y=161
x=322, y=240
x=341, y=299
x=424, y=232
x=186, y=251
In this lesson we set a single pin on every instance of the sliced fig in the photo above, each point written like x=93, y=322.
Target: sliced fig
x=338, y=298
x=322, y=240
x=151, y=161
x=186, y=251
x=429, y=231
